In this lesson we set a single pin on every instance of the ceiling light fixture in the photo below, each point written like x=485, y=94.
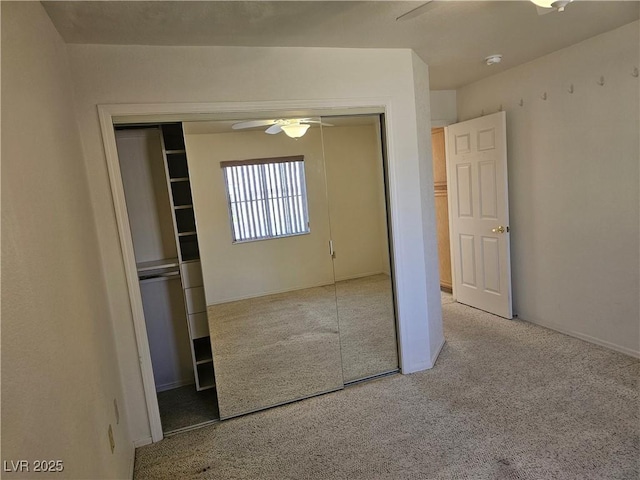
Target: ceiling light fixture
x=557, y=4
x=493, y=59
x=296, y=129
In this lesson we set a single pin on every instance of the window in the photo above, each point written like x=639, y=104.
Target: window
x=267, y=198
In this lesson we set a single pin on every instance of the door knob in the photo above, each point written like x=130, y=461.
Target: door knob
x=500, y=229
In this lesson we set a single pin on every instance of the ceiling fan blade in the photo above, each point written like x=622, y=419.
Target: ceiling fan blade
x=304, y=120
x=416, y=12
x=544, y=11
x=273, y=129
x=252, y=124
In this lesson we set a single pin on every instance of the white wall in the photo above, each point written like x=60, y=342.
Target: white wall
x=59, y=369
x=358, y=214
x=169, y=343
x=573, y=182
x=345, y=198
x=249, y=269
x=145, y=186
x=136, y=74
x=443, y=107
x=428, y=213
x=149, y=211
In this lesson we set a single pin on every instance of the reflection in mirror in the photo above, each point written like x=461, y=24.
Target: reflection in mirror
x=275, y=348
x=261, y=209
x=358, y=215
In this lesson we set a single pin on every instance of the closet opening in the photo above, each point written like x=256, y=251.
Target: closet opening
x=268, y=257
x=440, y=189
x=155, y=176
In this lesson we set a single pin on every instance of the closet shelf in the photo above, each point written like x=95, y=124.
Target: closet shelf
x=182, y=207
x=179, y=179
x=157, y=264
x=204, y=360
x=206, y=376
x=187, y=234
x=158, y=274
x=170, y=152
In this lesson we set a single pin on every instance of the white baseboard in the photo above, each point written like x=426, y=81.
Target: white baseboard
x=171, y=386
x=586, y=338
x=436, y=354
x=141, y=442
x=424, y=365
x=418, y=367
x=299, y=287
x=272, y=292
x=360, y=275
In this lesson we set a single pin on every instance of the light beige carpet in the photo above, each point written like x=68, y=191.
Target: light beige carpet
x=506, y=400
x=273, y=349
x=277, y=348
x=367, y=327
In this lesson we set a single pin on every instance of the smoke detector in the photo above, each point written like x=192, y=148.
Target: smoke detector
x=493, y=59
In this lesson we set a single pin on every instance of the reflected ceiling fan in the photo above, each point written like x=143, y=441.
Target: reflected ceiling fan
x=543, y=7
x=548, y=6
x=292, y=127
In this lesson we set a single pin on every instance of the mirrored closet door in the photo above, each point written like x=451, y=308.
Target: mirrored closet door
x=263, y=223
x=360, y=235
x=293, y=239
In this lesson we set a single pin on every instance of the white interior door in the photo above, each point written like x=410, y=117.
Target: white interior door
x=479, y=213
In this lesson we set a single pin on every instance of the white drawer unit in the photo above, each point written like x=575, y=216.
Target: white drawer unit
x=198, y=325
x=191, y=274
x=195, y=300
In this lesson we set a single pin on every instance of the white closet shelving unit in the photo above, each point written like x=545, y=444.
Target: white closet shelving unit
x=188, y=261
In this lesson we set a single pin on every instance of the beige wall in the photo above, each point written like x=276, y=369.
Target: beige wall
x=59, y=368
x=350, y=214
x=443, y=107
x=145, y=186
x=428, y=224
x=135, y=74
x=573, y=182
x=355, y=181
x=249, y=269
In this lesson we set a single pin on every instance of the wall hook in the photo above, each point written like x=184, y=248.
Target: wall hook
x=500, y=109
x=601, y=82
x=544, y=96
x=570, y=90
x=521, y=102
x=635, y=72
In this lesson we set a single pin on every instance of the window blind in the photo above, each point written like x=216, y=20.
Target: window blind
x=267, y=198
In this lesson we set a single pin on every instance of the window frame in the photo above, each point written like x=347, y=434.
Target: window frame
x=263, y=216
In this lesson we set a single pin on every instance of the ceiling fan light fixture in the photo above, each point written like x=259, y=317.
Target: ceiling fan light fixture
x=493, y=59
x=557, y=4
x=295, y=130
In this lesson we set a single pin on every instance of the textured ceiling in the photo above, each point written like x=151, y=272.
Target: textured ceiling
x=452, y=37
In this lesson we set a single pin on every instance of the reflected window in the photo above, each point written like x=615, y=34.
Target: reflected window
x=267, y=198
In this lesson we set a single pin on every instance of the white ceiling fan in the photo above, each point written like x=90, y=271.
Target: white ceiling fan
x=292, y=127
x=548, y=6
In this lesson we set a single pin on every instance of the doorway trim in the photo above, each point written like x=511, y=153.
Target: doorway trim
x=114, y=114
